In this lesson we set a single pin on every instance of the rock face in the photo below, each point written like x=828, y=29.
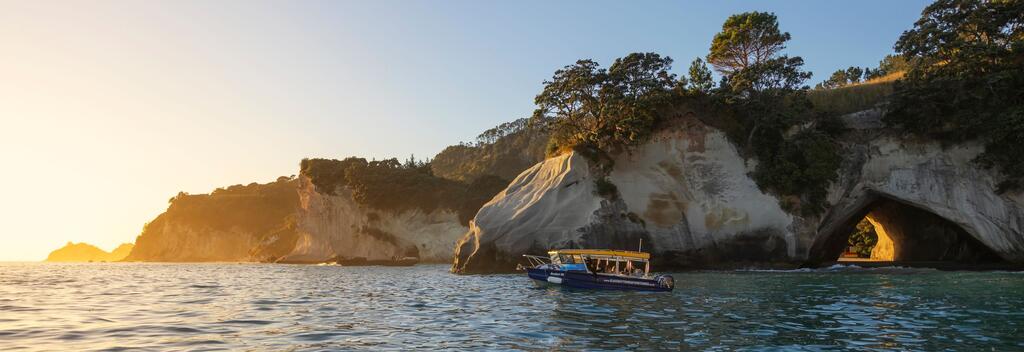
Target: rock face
x=687, y=193
x=298, y=224
x=335, y=226
x=84, y=252
x=890, y=175
x=179, y=241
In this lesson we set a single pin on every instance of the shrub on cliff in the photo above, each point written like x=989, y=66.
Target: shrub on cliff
x=503, y=151
x=391, y=185
x=254, y=208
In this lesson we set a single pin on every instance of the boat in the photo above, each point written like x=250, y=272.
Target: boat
x=597, y=269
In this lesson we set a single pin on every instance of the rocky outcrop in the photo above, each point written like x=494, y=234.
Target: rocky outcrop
x=334, y=226
x=906, y=175
x=84, y=252
x=173, y=240
x=291, y=221
x=687, y=193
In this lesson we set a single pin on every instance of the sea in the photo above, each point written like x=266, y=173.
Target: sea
x=273, y=307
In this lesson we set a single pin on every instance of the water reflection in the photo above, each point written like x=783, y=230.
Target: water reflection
x=275, y=307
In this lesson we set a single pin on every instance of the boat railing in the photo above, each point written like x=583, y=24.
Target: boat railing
x=536, y=260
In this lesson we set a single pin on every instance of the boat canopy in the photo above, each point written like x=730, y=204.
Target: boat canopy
x=603, y=253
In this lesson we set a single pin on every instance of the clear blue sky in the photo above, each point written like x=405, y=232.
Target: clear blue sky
x=109, y=108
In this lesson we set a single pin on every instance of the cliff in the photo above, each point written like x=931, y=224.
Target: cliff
x=224, y=225
x=333, y=225
x=84, y=252
x=688, y=194
x=293, y=221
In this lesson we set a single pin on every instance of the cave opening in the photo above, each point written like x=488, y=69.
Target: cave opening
x=888, y=231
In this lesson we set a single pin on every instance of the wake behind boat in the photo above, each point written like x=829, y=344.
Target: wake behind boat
x=598, y=268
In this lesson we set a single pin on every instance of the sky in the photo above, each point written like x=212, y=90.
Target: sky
x=109, y=108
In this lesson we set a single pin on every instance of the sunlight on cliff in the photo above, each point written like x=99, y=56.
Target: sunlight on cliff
x=884, y=249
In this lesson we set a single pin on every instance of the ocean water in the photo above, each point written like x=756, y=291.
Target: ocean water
x=294, y=307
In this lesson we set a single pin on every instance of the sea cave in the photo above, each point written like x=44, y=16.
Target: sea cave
x=888, y=231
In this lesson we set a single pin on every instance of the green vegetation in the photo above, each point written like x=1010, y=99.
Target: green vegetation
x=700, y=81
x=853, y=98
x=857, y=89
x=761, y=104
x=503, y=151
x=957, y=77
x=965, y=80
x=747, y=39
x=394, y=186
x=863, y=239
x=253, y=208
x=851, y=75
x=264, y=211
x=772, y=119
x=584, y=104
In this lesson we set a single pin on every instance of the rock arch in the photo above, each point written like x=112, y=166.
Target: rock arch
x=908, y=232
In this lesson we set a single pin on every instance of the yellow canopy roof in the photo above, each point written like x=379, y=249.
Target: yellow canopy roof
x=603, y=252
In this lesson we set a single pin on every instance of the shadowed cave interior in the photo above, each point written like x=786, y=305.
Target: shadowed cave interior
x=886, y=230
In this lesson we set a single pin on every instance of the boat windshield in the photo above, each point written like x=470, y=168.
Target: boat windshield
x=567, y=259
x=604, y=261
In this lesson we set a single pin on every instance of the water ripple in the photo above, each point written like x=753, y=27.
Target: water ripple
x=112, y=307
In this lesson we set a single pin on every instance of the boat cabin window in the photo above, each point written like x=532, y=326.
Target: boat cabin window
x=566, y=259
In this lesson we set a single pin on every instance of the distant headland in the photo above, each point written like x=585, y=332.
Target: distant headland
x=84, y=252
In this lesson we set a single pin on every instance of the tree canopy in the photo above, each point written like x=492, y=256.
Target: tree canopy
x=746, y=39
x=700, y=81
x=965, y=80
x=584, y=104
x=391, y=185
x=851, y=75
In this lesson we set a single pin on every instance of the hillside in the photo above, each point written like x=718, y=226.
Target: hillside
x=503, y=151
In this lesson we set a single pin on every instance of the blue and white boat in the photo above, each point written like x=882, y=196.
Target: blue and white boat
x=599, y=269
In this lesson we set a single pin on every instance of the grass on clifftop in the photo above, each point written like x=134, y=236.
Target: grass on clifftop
x=854, y=97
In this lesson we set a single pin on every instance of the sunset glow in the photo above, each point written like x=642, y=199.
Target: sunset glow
x=110, y=109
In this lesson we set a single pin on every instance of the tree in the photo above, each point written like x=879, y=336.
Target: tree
x=888, y=65
x=746, y=39
x=964, y=80
x=781, y=75
x=863, y=239
x=700, y=77
x=568, y=105
x=585, y=104
x=769, y=111
x=851, y=75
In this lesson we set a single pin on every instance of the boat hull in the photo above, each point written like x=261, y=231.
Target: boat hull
x=581, y=279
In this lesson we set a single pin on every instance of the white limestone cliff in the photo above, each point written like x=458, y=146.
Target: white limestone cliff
x=687, y=192
x=334, y=226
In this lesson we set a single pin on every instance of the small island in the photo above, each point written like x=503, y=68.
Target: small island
x=84, y=252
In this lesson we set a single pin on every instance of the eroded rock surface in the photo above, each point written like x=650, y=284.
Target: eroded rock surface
x=687, y=192
x=313, y=227
x=335, y=226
